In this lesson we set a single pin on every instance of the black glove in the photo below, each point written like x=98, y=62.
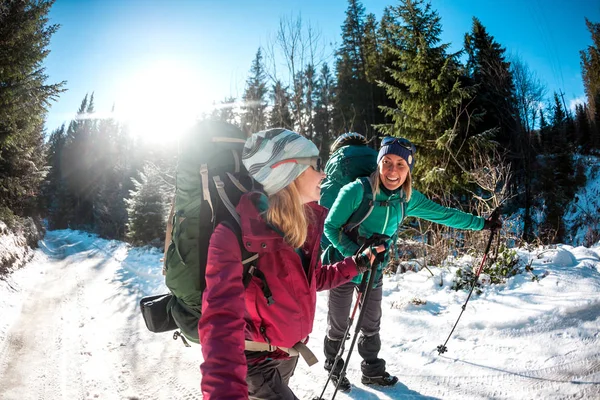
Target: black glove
x=493, y=223
x=362, y=263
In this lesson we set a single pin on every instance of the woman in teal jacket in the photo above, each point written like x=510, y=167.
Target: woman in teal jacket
x=394, y=199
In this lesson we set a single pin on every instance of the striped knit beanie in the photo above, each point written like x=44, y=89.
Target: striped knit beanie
x=267, y=148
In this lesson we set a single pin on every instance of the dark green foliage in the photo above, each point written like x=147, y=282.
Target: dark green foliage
x=253, y=117
x=584, y=129
x=505, y=266
x=427, y=92
x=24, y=99
x=91, y=164
x=558, y=177
x=280, y=116
x=147, y=209
x=54, y=189
x=529, y=93
x=494, y=101
x=324, y=124
x=355, y=109
x=590, y=70
x=79, y=166
x=225, y=112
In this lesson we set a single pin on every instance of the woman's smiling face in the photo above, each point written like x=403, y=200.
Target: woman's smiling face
x=393, y=171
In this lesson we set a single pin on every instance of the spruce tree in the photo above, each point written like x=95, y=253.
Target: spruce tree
x=354, y=94
x=280, y=116
x=24, y=98
x=494, y=97
x=147, y=209
x=78, y=165
x=225, y=111
x=590, y=70
x=110, y=212
x=310, y=83
x=584, y=136
x=324, y=123
x=54, y=188
x=253, y=116
x=559, y=182
x=427, y=91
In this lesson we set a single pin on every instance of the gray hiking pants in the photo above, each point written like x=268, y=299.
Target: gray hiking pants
x=340, y=306
x=268, y=380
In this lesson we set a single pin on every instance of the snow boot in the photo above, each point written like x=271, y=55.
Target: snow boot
x=382, y=380
x=345, y=385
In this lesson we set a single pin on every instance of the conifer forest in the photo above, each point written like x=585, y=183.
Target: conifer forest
x=487, y=131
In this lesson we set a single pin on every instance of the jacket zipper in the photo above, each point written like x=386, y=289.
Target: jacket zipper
x=387, y=216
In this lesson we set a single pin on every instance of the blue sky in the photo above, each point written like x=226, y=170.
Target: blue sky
x=139, y=54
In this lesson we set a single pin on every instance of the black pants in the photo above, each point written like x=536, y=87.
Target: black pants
x=268, y=379
x=369, y=344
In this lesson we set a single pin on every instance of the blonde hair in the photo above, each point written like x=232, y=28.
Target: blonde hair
x=375, y=180
x=287, y=213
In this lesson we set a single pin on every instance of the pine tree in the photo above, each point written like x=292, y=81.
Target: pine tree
x=109, y=208
x=225, y=111
x=254, y=116
x=590, y=70
x=309, y=101
x=78, y=165
x=490, y=73
x=54, y=189
x=584, y=133
x=426, y=91
x=559, y=118
x=24, y=98
x=558, y=174
x=354, y=95
x=147, y=210
x=324, y=123
x=529, y=94
x=389, y=40
x=280, y=116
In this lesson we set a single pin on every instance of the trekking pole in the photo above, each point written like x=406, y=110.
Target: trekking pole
x=373, y=272
x=340, y=352
x=442, y=347
x=374, y=241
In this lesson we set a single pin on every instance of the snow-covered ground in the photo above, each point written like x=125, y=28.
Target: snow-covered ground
x=70, y=328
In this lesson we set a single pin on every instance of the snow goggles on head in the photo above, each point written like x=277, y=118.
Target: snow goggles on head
x=401, y=141
x=315, y=162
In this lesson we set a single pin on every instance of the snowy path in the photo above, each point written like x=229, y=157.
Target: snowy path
x=71, y=329
x=79, y=335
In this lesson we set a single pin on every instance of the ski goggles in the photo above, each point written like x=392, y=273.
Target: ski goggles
x=315, y=162
x=388, y=140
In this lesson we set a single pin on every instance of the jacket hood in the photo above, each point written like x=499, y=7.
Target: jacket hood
x=258, y=237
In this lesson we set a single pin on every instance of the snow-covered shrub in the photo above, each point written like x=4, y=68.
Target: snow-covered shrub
x=505, y=266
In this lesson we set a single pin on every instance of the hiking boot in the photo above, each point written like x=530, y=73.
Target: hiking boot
x=382, y=380
x=345, y=385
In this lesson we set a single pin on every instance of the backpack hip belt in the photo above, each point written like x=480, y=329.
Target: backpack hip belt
x=298, y=349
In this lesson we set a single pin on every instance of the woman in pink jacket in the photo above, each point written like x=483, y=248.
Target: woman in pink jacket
x=250, y=344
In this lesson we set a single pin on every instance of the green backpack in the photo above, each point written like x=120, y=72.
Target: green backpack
x=351, y=158
x=210, y=181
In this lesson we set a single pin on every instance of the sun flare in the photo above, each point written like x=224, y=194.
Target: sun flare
x=160, y=101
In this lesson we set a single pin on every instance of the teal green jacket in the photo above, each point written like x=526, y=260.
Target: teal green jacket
x=384, y=220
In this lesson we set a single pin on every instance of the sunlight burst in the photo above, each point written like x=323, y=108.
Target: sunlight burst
x=161, y=101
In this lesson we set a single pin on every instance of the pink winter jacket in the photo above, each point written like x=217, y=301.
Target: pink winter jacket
x=232, y=314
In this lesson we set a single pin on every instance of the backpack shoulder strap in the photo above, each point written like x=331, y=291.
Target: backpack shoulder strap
x=249, y=261
x=365, y=208
x=368, y=203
